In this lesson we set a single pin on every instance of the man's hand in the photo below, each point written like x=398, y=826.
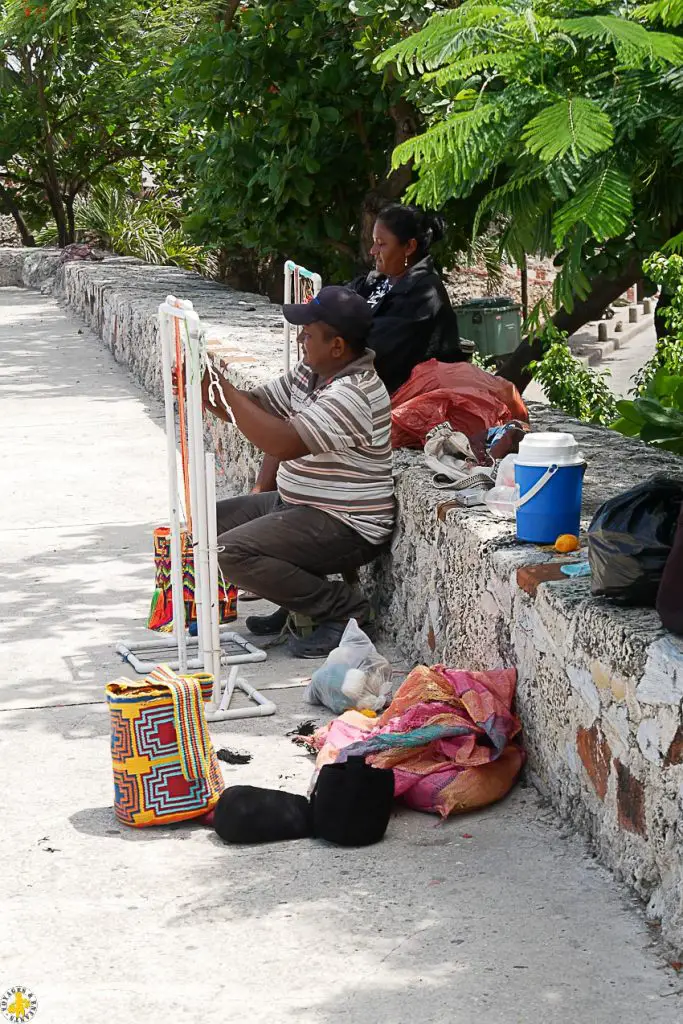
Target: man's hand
x=274, y=436
x=267, y=477
x=183, y=376
x=216, y=395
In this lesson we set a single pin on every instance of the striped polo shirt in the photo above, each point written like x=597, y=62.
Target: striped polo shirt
x=345, y=422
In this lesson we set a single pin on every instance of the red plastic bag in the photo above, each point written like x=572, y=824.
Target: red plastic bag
x=468, y=398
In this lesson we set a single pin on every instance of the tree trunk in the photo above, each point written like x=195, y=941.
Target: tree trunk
x=70, y=217
x=394, y=183
x=227, y=15
x=604, y=291
x=54, y=198
x=49, y=165
x=524, y=286
x=9, y=203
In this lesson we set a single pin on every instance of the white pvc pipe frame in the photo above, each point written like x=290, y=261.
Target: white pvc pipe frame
x=202, y=468
x=290, y=269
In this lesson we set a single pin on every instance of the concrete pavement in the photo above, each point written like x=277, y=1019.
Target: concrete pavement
x=624, y=362
x=498, y=916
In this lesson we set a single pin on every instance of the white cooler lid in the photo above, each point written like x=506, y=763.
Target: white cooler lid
x=547, y=449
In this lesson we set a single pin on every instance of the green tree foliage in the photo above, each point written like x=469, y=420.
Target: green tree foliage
x=570, y=385
x=294, y=129
x=564, y=122
x=83, y=87
x=655, y=414
x=666, y=271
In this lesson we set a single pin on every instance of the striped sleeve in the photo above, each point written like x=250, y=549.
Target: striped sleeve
x=341, y=418
x=275, y=397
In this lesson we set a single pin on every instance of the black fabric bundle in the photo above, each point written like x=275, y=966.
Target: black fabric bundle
x=350, y=806
x=248, y=814
x=352, y=803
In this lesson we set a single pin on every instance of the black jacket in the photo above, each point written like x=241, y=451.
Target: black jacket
x=413, y=322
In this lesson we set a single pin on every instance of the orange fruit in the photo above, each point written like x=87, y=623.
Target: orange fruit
x=566, y=542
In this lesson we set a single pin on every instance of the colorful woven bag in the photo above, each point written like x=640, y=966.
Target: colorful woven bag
x=161, y=610
x=165, y=768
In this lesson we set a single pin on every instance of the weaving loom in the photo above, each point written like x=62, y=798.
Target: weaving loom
x=301, y=285
x=183, y=348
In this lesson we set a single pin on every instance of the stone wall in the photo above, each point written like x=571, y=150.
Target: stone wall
x=8, y=231
x=465, y=283
x=600, y=687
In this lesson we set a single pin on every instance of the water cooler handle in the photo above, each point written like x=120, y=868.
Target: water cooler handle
x=538, y=486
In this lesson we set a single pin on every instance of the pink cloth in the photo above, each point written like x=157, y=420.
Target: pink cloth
x=449, y=736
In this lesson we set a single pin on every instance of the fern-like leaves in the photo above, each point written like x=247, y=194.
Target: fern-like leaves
x=669, y=12
x=626, y=36
x=603, y=204
x=576, y=126
x=444, y=36
x=463, y=69
x=458, y=130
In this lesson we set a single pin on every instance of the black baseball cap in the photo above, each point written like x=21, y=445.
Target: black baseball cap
x=336, y=306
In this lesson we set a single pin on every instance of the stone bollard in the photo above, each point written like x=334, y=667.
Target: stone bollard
x=603, y=332
x=647, y=307
x=633, y=314
x=619, y=326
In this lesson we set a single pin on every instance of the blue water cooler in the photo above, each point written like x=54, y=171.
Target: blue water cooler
x=549, y=471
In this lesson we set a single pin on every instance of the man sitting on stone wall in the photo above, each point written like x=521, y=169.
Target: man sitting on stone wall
x=324, y=500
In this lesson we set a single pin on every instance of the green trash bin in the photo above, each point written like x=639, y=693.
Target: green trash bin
x=494, y=324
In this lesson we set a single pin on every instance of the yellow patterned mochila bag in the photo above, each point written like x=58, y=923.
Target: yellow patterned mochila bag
x=165, y=768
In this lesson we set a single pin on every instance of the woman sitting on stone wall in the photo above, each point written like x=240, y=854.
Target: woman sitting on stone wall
x=412, y=315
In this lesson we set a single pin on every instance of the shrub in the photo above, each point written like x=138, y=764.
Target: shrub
x=148, y=228
x=569, y=385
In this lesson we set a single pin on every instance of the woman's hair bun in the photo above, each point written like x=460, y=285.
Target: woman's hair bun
x=437, y=225
x=406, y=222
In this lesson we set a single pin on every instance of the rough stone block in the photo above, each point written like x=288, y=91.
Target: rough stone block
x=656, y=735
x=674, y=754
x=662, y=681
x=502, y=595
x=669, y=724
x=630, y=800
x=582, y=682
x=605, y=679
x=616, y=727
x=596, y=756
x=635, y=712
x=648, y=737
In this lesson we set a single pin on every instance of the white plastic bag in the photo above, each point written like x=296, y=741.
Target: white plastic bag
x=449, y=455
x=502, y=499
x=354, y=675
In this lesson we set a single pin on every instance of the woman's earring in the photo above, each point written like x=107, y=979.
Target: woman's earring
x=406, y=262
